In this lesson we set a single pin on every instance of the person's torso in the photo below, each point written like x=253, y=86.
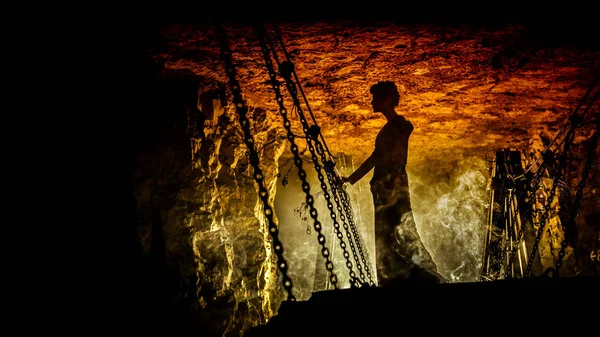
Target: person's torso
x=391, y=145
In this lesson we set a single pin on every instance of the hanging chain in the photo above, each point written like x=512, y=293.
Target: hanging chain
x=538, y=237
x=288, y=58
x=533, y=185
x=263, y=193
x=591, y=158
x=568, y=228
x=332, y=177
x=313, y=134
x=513, y=252
x=574, y=120
x=347, y=208
x=335, y=184
x=298, y=162
x=313, y=144
x=349, y=233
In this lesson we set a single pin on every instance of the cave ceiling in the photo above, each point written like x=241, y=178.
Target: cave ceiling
x=468, y=89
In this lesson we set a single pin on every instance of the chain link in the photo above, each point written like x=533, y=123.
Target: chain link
x=263, y=193
x=334, y=183
x=534, y=185
x=329, y=165
x=298, y=162
x=348, y=210
x=568, y=140
x=576, y=120
x=315, y=147
x=513, y=251
x=591, y=158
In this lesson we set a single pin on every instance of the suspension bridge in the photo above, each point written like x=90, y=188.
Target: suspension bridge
x=516, y=287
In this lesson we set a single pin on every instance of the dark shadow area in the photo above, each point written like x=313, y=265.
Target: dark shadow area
x=535, y=305
x=573, y=17
x=144, y=116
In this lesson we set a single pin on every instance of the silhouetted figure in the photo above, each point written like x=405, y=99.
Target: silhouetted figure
x=400, y=253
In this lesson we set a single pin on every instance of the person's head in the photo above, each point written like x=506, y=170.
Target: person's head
x=385, y=95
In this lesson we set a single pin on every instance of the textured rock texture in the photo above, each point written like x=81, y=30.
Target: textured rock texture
x=469, y=90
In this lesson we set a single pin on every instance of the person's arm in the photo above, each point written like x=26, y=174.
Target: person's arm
x=363, y=169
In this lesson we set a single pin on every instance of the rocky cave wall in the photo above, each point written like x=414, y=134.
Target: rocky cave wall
x=468, y=90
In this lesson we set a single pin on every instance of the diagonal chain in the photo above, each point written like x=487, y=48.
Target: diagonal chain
x=298, y=162
x=263, y=193
x=315, y=147
x=334, y=182
x=544, y=218
x=591, y=158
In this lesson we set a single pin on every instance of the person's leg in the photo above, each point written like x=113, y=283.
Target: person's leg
x=410, y=246
x=390, y=265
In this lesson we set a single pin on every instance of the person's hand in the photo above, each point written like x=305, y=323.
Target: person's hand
x=345, y=180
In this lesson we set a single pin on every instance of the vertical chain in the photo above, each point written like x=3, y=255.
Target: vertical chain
x=591, y=158
x=349, y=234
x=313, y=141
x=314, y=144
x=574, y=119
x=263, y=193
x=298, y=162
x=347, y=208
x=538, y=237
x=512, y=254
x=334, y=182
x=534, y=185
